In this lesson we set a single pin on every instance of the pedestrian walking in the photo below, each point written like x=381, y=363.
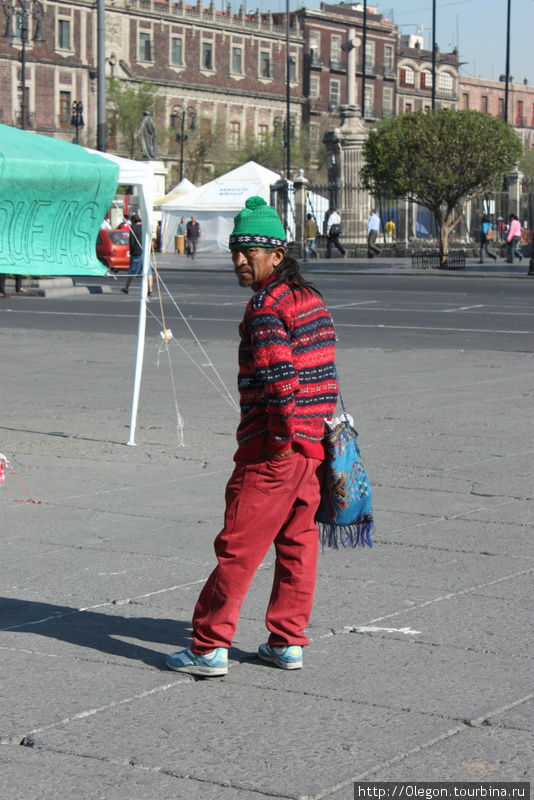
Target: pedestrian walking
x=192, y=235
x=389, y=228
x=486, y=236
x=373, y=229
x=19, y=288
x=310, y=235
x=136, y=255
x=287, y=384
x=513, y=238
x=333, y=232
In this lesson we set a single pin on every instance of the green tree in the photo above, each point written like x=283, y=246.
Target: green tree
x=526, y=164
x=126, y=104
x=439, y=160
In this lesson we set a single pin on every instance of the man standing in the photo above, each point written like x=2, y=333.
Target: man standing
x=333, y=232
x=287, y=384
x=192, y=235
x=373, y=229
x=310, y=235
x=136, y=255
x=180, y=236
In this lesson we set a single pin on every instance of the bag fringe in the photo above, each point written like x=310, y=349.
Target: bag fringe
x=357, y=534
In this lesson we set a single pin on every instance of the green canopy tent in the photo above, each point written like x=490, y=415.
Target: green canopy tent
x=53, y=198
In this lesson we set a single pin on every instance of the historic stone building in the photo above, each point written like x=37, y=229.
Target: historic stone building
x=229, y=67
x=484, y=95
x=325, y=63
x=226, y=69
x=414, y=82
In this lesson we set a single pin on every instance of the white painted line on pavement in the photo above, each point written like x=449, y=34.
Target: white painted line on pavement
x=428, y=328
x=375, y=629
x=461, y=308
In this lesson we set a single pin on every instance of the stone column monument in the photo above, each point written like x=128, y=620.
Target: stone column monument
x=344, y=156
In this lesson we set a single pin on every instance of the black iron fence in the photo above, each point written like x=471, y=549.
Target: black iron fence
x=404, y=223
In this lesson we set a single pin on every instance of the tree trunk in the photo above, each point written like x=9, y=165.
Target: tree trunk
x=446, y=224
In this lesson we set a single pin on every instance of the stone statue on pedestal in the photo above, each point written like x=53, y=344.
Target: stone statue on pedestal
x=146, y=135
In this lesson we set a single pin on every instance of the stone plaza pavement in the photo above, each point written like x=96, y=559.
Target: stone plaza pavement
x=420, y=661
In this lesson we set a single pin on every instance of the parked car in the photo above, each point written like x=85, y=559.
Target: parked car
x=113, y=249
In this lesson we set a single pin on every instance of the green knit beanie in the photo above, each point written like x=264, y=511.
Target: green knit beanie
x=257, y=225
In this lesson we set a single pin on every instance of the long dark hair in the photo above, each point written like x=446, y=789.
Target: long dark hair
x=288, y=271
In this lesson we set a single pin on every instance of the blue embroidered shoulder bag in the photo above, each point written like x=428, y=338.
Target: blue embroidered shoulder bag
x=345, y=514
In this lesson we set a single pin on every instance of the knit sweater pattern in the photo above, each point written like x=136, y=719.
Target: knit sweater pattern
x=287, y=378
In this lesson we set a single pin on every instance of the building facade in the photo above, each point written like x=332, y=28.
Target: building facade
x=230, y=68
x=489, y=97
x=227, y=69
x=414, y=77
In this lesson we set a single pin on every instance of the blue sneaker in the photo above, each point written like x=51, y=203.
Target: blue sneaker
x=214, y=663
x=289, y=657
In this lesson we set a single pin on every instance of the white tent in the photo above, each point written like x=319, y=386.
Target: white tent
x=184, y=187
x=215, y=205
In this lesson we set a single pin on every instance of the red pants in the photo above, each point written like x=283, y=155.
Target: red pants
x=272, y=501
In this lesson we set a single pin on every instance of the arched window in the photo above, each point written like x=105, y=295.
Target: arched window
x=426, y=79
x=407, y=76
x=446, y=82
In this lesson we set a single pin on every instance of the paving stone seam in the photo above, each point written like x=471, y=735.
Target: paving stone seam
x=445, y=597
x=135, y=764
x=180, y=683
x=122, y=602
x=464, y=726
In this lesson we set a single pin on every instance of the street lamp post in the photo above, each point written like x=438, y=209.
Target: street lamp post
x=77, y=117
x=20, y=14
x=182, y=137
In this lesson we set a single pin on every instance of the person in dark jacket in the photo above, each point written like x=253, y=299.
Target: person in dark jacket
x=136, y=255
x=192, y=235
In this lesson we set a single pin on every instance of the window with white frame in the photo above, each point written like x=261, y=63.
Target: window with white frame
x=387, y=101
x=64, y=109
x=369, y=55
x=314, y=137
x=388, y=56
x=446, y=82
x=335, y=51
x=334, y=95
x=369, y=101
x=63, y=34
x=426, y=79
x=265, y=64
x=314, y=87
x=207, y=56
x=315, y=43
x=177, y=51
x=145, y=46
x=237, y=59
x=235, y=134
x=407, y=76
x=292, y=69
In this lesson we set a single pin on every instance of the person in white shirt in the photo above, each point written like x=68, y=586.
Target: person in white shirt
x=105, y=225
x=373, y=229
x=333, y=231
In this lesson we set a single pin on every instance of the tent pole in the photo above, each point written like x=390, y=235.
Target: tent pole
x=141, y=327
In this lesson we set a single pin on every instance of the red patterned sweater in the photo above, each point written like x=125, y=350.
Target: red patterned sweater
x=287, y=378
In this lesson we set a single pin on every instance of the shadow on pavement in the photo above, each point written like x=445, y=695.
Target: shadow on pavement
x=97, y=630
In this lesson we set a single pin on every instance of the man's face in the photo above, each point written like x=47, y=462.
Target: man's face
x=254, y=264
